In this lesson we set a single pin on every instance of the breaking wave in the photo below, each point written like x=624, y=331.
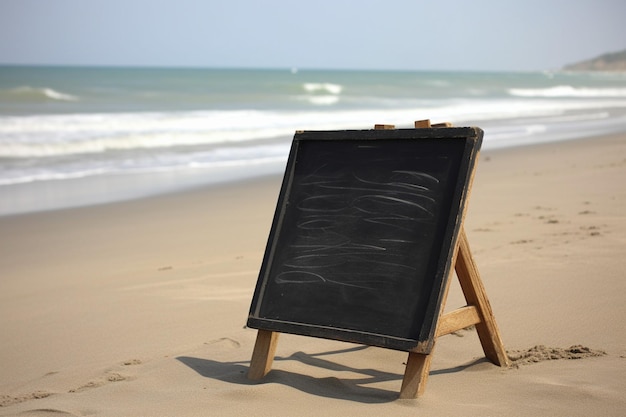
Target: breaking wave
x=323, y=88
x=28, y=93
x=568, y=91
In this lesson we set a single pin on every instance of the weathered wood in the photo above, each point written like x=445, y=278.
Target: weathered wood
x=475, y=295
x=422, y=124
x=384, y=127
x=263, y=354
x=458, y=319
x=415, y=375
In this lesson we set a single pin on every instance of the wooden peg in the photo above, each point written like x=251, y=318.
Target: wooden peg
x=384, y=127
x=421, y=124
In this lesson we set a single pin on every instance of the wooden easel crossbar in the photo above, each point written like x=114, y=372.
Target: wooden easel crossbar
x=476, y=313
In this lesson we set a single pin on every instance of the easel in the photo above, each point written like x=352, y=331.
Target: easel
x=477, y=312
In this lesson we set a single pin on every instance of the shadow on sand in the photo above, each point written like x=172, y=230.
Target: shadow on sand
x=353, y=389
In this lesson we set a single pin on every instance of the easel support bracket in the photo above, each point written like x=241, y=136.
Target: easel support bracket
x=475, y=295
x=478, y=312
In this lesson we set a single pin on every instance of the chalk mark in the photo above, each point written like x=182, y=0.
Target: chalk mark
x=388, y=200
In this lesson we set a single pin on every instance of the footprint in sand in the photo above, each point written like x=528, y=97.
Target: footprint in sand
x=7, y=400
x=591, y=230
x=107, y=378
x=542, y=208
x=521, y=242
x=224, y=343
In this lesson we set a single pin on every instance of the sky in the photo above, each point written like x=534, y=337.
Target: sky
x=473, y=35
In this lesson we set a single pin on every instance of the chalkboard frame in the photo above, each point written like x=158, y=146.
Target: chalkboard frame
x=463, y=141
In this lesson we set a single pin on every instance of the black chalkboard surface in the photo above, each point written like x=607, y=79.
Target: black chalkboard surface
x=364, y=233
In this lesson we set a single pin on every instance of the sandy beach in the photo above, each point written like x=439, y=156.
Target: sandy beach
x=139, y=308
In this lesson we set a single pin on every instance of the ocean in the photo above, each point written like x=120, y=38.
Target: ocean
x=72, y=136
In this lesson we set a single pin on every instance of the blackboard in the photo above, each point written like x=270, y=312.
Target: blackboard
x=363, y=235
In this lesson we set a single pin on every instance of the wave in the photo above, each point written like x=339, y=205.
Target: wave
x=99, y=133
x=568, y=91
x=325, y=100
x=28, y=93
x=331, y=88
x=146, y=141
x=56, y=135
x=220, y=159
x=50, y=175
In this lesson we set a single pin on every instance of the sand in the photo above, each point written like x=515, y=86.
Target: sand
x=139, y=308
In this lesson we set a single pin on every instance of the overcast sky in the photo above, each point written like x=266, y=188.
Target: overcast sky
x=360, y=34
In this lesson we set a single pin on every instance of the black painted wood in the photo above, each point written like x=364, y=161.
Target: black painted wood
x=363, y=235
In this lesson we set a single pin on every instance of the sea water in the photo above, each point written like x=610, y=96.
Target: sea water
x=73, y=136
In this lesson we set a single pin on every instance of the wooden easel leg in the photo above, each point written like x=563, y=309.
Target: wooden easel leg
x=263, y=354
x=415, y=375
x=474, y=291
x=418, y=364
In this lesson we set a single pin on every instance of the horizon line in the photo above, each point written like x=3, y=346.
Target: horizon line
x=292, y=69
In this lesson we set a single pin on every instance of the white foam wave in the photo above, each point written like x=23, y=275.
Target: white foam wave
x=54, y=135
x=56, y=95
x=141, y=163
x=28, y=92
x=323, y=87
x=568, y=91
x=48, y=175
x=131, y=142
x=326, y=100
